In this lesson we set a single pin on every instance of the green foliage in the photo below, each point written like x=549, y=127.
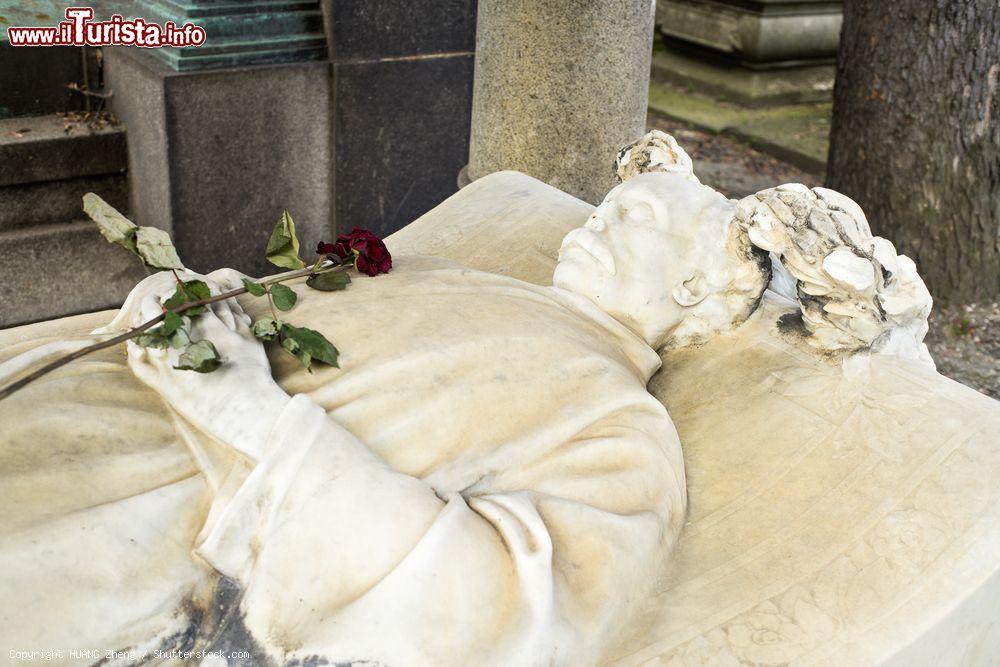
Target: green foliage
x=308, y=346
x=283, y=246
x=156, y=249
x=172, y=322
x=200, y=357
x=254, y=288
x=152, y=245
x=284, y=297
x=154, y=339
x=189, y=292
x=175, y=332
x=330, y=281
x=181, y=338
x=960, y=327
x=266, y=328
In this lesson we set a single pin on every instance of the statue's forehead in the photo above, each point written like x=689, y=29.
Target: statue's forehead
x=666, y=200
x=660, y=185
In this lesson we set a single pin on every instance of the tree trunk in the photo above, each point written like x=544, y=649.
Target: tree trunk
x=916, y=135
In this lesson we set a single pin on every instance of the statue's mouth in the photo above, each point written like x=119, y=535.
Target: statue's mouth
x=584, y=240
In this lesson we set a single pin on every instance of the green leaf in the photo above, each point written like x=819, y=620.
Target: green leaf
x=153, y=338
x=192, y=290
x=197, y=289
x=180, y=338
x=131, y=242
x=200, y=357
x=156, y=249
x=152, y=245
x=284, y=297
x=290, y=344
x=308, y=345
x=114, y=226
x=253, y=288
x=266, y=328
x=283, y=246
x=178, y=331
x=171, y=323
x=331, y=281
x=292, y=347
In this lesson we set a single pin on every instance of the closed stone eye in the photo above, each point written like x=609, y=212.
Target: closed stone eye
x=640, y=212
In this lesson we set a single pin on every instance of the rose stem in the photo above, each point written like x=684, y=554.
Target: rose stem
x=121, y=338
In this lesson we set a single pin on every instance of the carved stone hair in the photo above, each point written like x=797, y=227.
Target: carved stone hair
x=655, y=152
x=854, y=291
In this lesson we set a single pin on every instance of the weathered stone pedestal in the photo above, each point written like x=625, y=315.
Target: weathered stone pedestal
x=751, y=52
x=214, y=156
x=559, y=86
x=218, y=143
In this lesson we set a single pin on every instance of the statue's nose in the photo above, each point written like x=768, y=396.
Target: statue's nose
x=595, y=223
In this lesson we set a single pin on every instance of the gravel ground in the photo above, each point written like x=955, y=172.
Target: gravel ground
x=964, y=339
x=731, y=167
x=965, y=343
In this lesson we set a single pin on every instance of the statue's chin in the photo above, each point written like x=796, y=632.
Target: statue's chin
x=572, y=275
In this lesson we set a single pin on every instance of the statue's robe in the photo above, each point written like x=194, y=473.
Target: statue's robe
x=484, y=480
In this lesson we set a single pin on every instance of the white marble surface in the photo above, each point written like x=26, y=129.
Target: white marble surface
x=841, y=512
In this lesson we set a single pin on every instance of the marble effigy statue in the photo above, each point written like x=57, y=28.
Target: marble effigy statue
x=672, y=430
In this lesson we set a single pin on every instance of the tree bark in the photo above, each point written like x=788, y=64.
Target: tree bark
x=916, y=135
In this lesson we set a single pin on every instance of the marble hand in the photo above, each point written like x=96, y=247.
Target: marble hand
x=237, y=403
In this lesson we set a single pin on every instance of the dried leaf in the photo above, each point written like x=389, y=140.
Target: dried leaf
x=283, y=246
x=266, y=328
x=156, y=249
x=114, y=226
x=200, y=357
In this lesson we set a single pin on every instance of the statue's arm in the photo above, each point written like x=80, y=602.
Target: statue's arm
x=338, y=551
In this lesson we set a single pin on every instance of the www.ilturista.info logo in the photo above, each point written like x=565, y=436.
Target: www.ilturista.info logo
x=79, y=30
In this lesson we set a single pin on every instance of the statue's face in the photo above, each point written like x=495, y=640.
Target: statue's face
x=639, y=256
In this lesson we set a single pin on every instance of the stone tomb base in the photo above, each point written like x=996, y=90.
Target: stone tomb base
x=756, y=53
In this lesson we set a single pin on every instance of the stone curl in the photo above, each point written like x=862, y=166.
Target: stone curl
x=657, y=151
x=854, y=290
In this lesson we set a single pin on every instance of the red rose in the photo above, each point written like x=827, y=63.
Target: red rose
x=370, y=254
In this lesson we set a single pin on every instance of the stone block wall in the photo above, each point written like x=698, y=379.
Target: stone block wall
x=403, y=88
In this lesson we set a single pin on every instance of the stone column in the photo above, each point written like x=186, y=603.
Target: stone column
x=560, y=86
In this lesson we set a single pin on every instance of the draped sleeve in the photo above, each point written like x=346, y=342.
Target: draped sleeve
x=345, y=558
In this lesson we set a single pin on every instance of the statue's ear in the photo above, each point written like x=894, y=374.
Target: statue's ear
x=692, y=291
